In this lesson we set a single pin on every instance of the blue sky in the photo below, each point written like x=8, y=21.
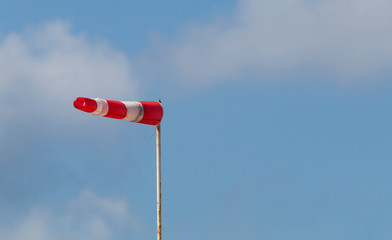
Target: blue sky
x=277, y=119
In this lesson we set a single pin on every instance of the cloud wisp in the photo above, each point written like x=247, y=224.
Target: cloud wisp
x=346, y=41
x=88, y=216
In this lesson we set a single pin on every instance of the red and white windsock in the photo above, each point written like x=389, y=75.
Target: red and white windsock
x=141, y=112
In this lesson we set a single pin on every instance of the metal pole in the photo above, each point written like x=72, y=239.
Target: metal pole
x=158, y=140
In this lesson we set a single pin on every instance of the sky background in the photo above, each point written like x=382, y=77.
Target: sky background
x=276, y=126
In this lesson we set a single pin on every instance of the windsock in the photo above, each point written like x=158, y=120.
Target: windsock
x=141, y=112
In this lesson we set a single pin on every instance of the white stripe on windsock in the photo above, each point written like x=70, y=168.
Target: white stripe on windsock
x=102, y=107
x=134, y=111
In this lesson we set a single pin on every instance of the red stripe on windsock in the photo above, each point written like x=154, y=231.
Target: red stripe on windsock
x=152, y=113
x=85, y=104
x=116, y=109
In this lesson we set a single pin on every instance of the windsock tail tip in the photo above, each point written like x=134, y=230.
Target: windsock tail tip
x=79, y=103
x=85, y=104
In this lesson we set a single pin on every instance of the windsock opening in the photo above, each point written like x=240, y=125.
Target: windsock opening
x=153, y=113
x=85, y=104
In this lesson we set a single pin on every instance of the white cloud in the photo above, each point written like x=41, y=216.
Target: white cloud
x=44, y=140
x=116, y=210
x=348, y=40
x=43, y=69
x=34, y=227
x=88, y=216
